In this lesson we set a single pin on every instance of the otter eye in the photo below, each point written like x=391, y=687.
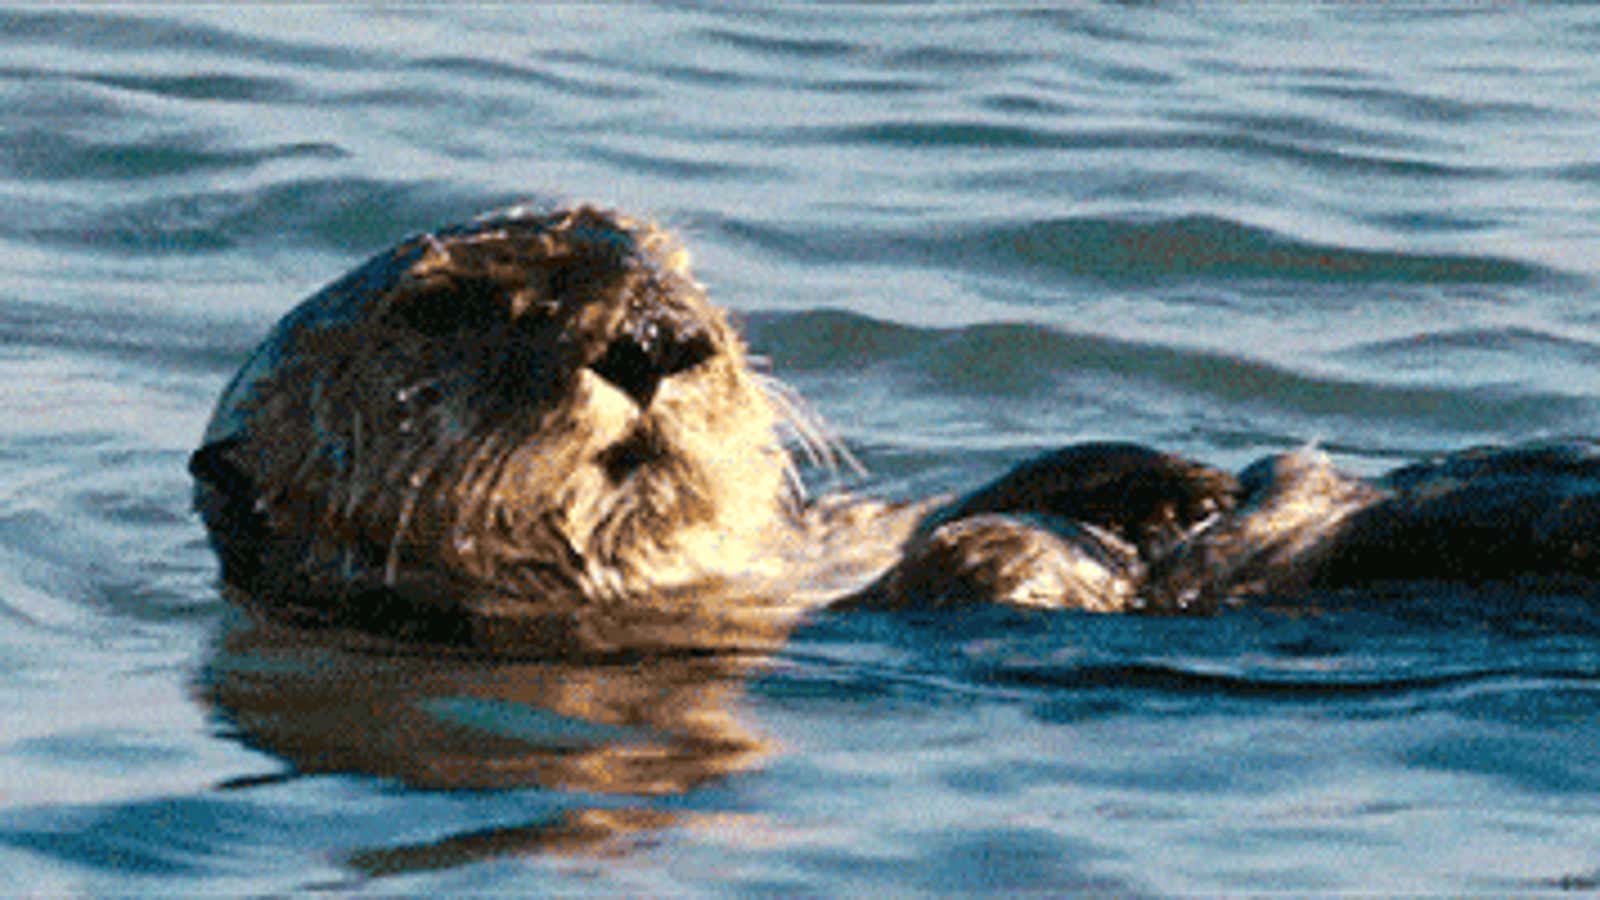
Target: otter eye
x=454, y=308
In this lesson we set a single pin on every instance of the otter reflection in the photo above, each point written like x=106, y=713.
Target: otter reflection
x=327, y=701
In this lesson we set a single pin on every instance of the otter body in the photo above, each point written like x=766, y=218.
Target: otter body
x=1187, y=538
x=534, y=430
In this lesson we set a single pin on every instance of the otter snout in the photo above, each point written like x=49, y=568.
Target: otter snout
x=650, y=348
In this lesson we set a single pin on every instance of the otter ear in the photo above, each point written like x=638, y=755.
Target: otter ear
x=226, y=497
x=212, y=467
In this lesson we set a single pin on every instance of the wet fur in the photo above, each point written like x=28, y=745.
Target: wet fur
x=436, y=435
x=534, y=431
x=1044, y=535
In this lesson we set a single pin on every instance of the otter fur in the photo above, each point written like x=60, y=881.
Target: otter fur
x=534, y=430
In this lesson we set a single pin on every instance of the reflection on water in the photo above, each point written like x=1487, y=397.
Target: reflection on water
x=606, y=833
x=626, y=724
x=333, y=702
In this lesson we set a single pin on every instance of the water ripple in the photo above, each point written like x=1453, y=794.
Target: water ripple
x=350, y=214
x=1000, y=359
x=1516, y=342
x=216, y=85
x=1205, y=247
x=1427, y=109
x=81, y=30
x=54, y=155
x=160, y=342
x=527, y=75
x=925, y=134
x=671, y=165
x=1196, y=682
x=1195, y=247
x=784, y=45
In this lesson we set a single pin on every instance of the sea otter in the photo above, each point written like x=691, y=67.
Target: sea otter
x=534, y=431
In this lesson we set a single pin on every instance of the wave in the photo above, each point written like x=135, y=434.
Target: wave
x=1522, y=343
x=682, y=166
x=160, y=341
x=1197, y=681
x=1187, y=248
x=344, y=214
x=214, y=85
x=1423, y=108
x=52, y=155
x=1350, y=157
x=1210, y=247
x=1025, y=359
x=83, y=30
x=1077, y=664
x=520, y=74
x=783, y=45
x=162, y=837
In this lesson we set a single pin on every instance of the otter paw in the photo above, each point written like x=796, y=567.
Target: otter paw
x=1013, y=561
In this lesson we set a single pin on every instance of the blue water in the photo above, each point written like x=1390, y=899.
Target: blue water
x=965, y=233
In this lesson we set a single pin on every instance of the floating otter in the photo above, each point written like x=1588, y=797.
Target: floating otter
x=533, y=431
x=529, y=431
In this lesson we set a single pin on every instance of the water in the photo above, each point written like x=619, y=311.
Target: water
x=965, y=234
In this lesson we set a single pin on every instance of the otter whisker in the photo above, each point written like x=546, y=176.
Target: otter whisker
x=820, y=445
x=796, y=494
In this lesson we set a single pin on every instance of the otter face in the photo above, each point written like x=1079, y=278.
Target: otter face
x=547, y=404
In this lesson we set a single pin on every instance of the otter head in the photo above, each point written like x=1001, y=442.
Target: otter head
x=543, y=404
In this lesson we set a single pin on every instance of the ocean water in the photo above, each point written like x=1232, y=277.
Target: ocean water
x=966, y=233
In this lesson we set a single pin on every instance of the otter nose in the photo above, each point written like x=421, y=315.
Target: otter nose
x=649, y=351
